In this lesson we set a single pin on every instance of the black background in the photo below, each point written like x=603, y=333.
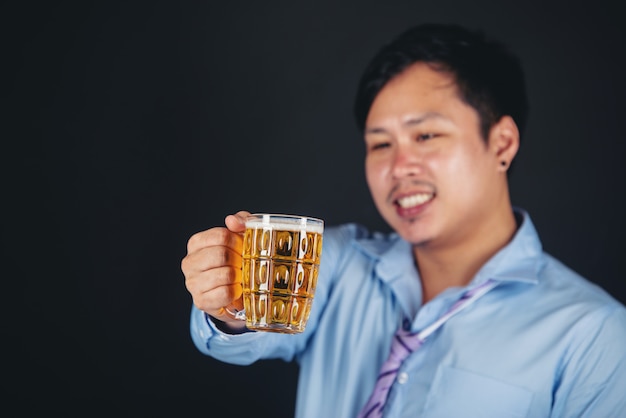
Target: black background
x=129, y=126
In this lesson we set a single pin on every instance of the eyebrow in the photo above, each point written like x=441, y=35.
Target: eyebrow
x=410, y=122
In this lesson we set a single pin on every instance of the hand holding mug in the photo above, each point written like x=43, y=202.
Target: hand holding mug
x=212, y=269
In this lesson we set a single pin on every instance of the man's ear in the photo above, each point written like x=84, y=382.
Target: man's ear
x=504, y=141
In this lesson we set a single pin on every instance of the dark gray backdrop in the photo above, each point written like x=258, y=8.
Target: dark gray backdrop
x=130, y=126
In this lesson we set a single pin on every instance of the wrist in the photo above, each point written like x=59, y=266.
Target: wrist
x=228, y=326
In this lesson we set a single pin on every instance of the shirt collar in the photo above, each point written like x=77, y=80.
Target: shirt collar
x=520, y=260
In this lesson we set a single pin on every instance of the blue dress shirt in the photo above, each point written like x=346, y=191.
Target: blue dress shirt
x=545, y=342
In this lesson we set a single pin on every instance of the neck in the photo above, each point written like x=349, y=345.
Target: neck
x=456, y=264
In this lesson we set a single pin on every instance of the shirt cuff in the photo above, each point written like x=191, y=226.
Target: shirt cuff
x=217, y=328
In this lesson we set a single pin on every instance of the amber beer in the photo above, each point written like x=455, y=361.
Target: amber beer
x=281, y=257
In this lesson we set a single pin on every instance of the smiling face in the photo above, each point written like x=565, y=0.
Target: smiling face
x=432, y=176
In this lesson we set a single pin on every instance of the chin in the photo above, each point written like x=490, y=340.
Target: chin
x=412, y=232
x=416, y=241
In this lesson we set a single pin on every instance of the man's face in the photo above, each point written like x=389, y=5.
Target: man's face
x=431, y=174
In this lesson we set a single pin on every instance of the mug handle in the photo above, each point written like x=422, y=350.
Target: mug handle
x=234, y=313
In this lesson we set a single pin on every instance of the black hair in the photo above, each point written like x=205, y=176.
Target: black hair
x=488, y=76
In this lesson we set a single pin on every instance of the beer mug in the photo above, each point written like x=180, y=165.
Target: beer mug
x=281, y=258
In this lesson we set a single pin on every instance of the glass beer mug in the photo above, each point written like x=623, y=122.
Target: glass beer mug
x=281, y=258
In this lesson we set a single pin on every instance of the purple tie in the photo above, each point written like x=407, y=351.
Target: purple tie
x=404, y=343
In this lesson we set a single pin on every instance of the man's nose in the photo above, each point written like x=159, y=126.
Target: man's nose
x=407, y=162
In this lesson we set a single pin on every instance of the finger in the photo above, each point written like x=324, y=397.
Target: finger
x=218, y=236
x=208, y=258
x=237, y=222
x=207, y=281
x=214, y=301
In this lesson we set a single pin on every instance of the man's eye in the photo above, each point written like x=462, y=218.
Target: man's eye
x=378, y=146
x=426, y=136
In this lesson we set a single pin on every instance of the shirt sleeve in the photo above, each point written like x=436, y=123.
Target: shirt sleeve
x=241, y=349
x=245, y=348
x=593, y=380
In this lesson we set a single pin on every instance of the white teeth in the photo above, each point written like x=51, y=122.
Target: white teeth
x=414, y=200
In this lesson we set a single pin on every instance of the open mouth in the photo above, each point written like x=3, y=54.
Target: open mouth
x=414, y=200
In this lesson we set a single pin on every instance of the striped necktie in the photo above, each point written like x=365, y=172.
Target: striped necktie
x=404, y=343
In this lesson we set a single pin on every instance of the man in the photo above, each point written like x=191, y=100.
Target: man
x=442, y=109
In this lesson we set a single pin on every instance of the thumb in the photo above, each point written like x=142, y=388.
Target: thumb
x=237, y=222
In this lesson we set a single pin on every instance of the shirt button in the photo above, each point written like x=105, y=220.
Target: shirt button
x=403, y=378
